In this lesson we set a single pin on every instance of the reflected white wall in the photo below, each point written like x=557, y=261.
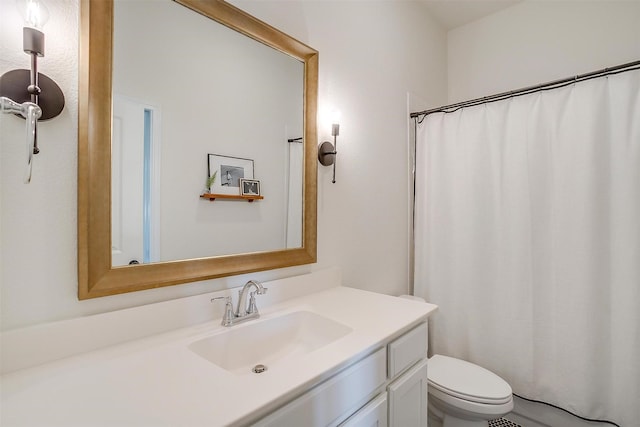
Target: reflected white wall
x=220, y=93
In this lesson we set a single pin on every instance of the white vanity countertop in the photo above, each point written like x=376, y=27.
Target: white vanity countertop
x=158, y=381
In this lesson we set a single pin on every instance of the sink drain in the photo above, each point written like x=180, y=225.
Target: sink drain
x=258, y=369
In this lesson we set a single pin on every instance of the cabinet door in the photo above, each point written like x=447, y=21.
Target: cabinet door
x=408, y=398
x=374, y=414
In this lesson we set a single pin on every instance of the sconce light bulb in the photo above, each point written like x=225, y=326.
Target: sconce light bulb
x=34, y=13
x=335, y=116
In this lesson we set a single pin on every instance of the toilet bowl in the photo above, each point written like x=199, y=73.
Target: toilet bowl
x=462, y=394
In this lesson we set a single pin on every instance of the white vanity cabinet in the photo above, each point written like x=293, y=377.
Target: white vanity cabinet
x=371, y=376
x=386, y=388
x=407, y=392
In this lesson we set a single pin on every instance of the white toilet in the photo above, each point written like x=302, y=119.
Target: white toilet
x=462, y=394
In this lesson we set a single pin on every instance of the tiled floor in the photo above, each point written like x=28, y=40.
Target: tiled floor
x=503, y=422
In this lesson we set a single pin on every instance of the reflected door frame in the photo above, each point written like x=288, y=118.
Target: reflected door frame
x=135, y=221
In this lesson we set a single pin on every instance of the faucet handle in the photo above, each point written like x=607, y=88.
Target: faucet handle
x=227, y=319
x=252, y=303
x=253, y=309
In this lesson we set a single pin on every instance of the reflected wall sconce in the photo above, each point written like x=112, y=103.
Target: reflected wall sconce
x=327, y=152
x=28, y=93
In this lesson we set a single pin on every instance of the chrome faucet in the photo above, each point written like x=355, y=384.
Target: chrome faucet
x=242, y=313
x=241, y=310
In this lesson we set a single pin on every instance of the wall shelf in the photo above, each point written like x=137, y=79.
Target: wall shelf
x=212, y=197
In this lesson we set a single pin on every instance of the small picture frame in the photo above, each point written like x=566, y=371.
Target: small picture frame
x=250, y=187
x=229, y=171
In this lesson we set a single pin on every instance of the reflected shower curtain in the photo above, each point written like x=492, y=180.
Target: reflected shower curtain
x=528, y=238
x=295, y=180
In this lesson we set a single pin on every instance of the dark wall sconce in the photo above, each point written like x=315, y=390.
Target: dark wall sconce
x=327, y=152
x=28, y=93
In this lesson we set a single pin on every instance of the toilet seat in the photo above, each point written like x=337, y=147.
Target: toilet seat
x=467, y=381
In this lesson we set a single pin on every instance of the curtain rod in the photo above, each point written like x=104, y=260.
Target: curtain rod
x=524, y=91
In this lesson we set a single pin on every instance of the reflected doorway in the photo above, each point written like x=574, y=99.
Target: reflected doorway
x=135, y=154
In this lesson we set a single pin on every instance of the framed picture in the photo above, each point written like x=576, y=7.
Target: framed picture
x=250, y=187
x=229, y=171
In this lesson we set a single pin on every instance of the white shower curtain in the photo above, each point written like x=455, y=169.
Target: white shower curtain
x=528, y=238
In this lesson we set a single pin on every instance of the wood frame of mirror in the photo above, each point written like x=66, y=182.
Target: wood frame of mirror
x=96, y=276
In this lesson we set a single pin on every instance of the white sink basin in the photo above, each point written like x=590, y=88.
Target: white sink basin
x=269, y=342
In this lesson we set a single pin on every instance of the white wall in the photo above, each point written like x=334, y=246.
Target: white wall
x=371, y=55
x=540, y=41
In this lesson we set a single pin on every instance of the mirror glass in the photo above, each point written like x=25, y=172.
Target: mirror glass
x=179, y=101
x=205, y=100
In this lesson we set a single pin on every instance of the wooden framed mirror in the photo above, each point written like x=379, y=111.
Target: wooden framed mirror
x=97, y=274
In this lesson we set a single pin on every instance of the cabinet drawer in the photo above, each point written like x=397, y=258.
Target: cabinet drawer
x=407, y=350
x=334, y=400
x=374, y=414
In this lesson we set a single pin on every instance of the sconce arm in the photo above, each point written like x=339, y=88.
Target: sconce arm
x=31, y=112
